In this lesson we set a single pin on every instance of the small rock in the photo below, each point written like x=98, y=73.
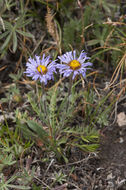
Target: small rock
x=121, y=119
x=109, y=176
x=121, y=140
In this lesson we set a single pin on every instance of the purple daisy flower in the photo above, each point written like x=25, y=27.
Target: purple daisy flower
x=41, y=69
x=73, y=65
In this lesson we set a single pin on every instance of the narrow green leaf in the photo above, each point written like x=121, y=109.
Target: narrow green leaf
x=38, y=129
x=27, y=34
x=19, y=187
x=36, y=108
x=23, y=23
x=4, y=34
x=85, y=139
x=8, y=25
x=11, y=179
x=120, y=31
x=100, y=52
x=91, y=147
x=92, y=42
x=87, y=147
x=6, y=41
x=14, y=42
x=27, y=133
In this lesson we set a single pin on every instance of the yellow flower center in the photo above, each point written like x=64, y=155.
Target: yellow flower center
x=74, y=65
x=42, y=69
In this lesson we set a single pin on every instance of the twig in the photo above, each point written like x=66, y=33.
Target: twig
x=49, y=167
x=42, y=183
x=77, y=188
x=78, y=162
x=40, y=41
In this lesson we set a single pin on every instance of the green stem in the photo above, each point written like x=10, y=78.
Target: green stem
x=69, y=91
x=45, y=111
x=43, y=98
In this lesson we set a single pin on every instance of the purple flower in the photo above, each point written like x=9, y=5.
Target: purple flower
x=73, y=65
x=41, y=69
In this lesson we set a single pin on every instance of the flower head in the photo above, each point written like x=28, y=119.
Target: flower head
x=73, y=65
x=41, y=69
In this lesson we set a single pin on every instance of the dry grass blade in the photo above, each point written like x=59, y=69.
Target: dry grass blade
x=117, y=70
x=61, y=187
x=51, y=1
x=2, y=23
x=2, y=68
x=109, y=37
x=114, y=23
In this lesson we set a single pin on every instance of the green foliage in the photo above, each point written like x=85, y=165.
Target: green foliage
x=55, y=129
x=16, y=77
x=93, y=31
x=52, y=110
x=58, y=177
x=50, y=127
x=12, y=27
x=12, y=31
x=12, y=94
x=89, y=98
x=34, y=187
x=85, y=138
x=6, y=5
x=26, y=176
x=38, y=129
x=100, y=114
x=7, y=184
x=6, y=160
x=11, y=148
x=11, y=145
x=78, y=28
x=100, y=35
x=11, y=142
x=72, y=34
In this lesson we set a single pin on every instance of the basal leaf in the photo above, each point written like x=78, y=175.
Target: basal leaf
x=38, y=129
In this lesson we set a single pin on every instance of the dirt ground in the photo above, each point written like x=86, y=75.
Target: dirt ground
x=105, y=170
x=112, y=158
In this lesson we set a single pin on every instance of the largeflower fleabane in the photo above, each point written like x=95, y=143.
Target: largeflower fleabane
x=42, y=69
x=71, y=64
